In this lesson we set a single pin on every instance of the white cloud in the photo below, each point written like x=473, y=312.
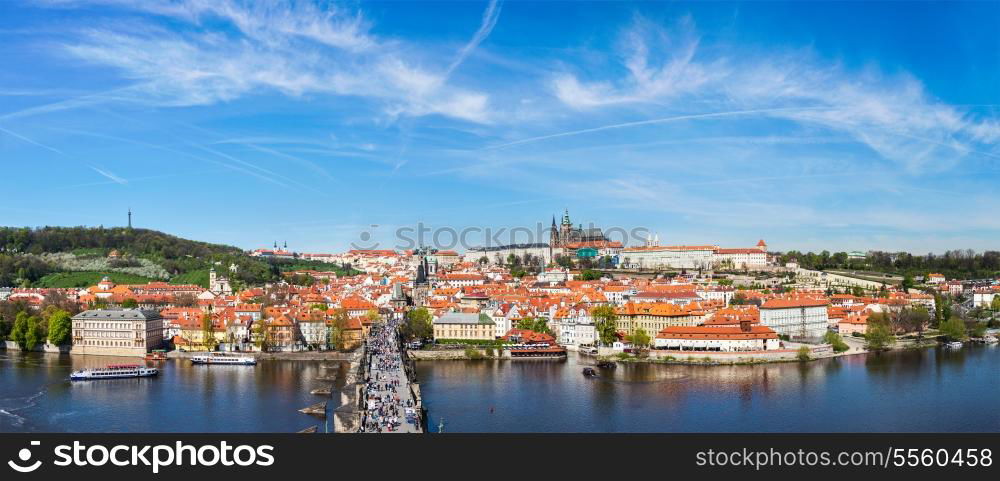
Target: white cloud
x=296, y=49
x=891, y=114
x=490, y=17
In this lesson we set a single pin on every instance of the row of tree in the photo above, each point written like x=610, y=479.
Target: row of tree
x=963, y=264
x=30, y=330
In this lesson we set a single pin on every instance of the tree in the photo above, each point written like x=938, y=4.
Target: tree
x=878, y=334
x=979, y=330
x=373, y=315
x=738, y=299
x=639, y=338
x=604, y=323
x=418, y=324
x=19, y=333
x=907, y=283
x=536, y=324
x=60, y=327
x=130, y=303
x=835, y=341
x=995, y=305
x=185, y=300
x=803, y=353
x=208, y=332
x=338, y=325
x=912, y=320
x=954, y=329
x=590, y=275
x=261, y=335
x=35, y=334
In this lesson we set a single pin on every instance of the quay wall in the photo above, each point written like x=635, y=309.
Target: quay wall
x=277, y=356
x=50, y=348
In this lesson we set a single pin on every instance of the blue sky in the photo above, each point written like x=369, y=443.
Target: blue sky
x=840, y=126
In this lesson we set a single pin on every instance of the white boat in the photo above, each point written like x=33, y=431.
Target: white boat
x=114, y=371
x=223, y=358
x=954, y=345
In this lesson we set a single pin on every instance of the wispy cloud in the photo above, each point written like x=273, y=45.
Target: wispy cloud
x=490, y=17
x=30, y=141
x=638, y=123
x=295, y=49
x=114, y=178
x=891, y=114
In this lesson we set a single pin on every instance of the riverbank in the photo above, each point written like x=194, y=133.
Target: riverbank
x=277, y=356
x=715, y=358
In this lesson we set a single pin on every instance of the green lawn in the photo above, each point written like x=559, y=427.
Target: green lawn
x=87, y=279
x=198, y=277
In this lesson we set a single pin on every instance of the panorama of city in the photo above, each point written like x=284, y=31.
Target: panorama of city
x=574, y=217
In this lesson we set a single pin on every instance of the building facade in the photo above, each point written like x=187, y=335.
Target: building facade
x=117, y=332
x=458, y=325
x=799, y=319
x=722, y=339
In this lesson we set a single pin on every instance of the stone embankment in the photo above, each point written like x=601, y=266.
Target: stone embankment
x=278, y=356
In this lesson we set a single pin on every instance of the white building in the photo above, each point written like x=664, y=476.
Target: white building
x=983, y=297
x=799, y=319
x=314, y=332
x=680, y=257
x=723, y=339
x=117, y=332
x=573, y=332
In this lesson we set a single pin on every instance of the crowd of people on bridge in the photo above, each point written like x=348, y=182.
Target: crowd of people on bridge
x=386, y=410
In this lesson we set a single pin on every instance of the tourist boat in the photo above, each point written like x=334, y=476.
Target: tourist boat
x=114, y=371
x=157, y=355
x=954, y=345
x=589, y=372
x=991, y=340
x=223, y=358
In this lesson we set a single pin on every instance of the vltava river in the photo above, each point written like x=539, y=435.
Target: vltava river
x=36, y=396
x=928, y=390
x=916, y=391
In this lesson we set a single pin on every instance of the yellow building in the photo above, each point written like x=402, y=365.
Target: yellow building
x=654, y=316
x=458, y=325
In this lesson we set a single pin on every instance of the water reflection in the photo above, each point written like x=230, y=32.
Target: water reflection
x=896, y=391
x=36, y=395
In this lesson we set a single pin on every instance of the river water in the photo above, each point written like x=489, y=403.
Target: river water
x=915, y=391
x=36, y=396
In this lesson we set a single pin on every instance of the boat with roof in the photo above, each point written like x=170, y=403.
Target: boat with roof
x=223, y=358
x=114, y=371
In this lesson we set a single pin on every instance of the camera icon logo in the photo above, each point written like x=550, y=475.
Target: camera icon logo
x=25, y=455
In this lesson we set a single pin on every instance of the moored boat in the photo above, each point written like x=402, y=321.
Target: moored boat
x=114, y=371
x=223, y=358
x=157, y=355
x=954, y=345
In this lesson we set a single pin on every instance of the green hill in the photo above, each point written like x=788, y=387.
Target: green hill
x=77, y=256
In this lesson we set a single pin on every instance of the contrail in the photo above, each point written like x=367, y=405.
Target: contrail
x=109, y=175
x=732, y=113
x=490, y=17
x=32, y=142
